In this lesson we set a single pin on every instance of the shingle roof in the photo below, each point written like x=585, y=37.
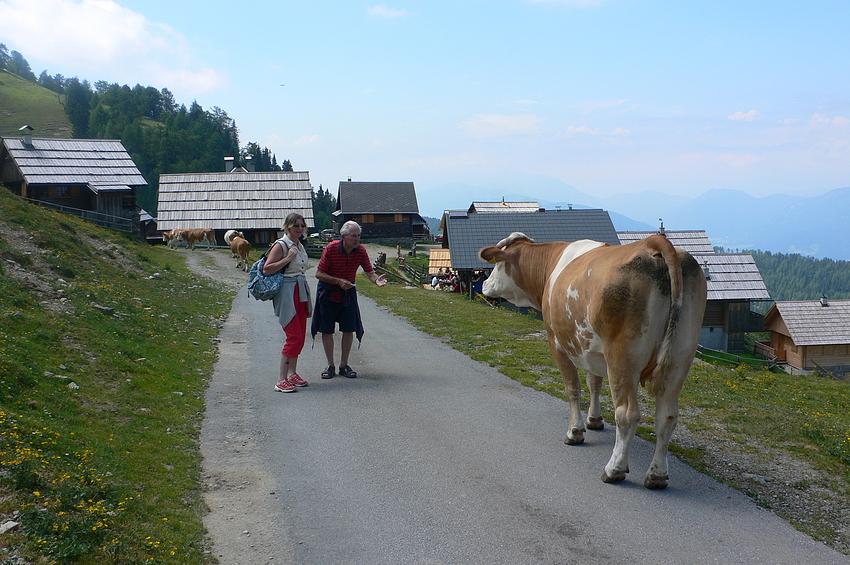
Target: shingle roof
x=468, y=233
x=488, y=207
x=358, y=197
x=236, y=200
x=692, y=241
x=439, y=259
x=103, y=164
x=809, y=323
x=732, y=276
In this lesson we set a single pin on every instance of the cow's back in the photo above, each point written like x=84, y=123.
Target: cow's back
x=621, y=297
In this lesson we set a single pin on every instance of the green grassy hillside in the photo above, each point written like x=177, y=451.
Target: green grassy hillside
x=26, y=103
x=105, y=348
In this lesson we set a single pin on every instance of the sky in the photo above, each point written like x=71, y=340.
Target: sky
x=608, y=96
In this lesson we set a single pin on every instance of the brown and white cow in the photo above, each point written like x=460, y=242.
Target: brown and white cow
x=195, y=236
x=170, y=238
x=228, y=237
x=241, y=248
x=631, y=312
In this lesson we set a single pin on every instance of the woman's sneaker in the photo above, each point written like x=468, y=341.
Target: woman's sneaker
x=297, y=380
x=285, y=386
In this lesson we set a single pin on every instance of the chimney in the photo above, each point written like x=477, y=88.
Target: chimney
x=823, y=301
x=228, y=164
x=26, y=131
x=705, y=270
x=664, y=233
x=249, y=162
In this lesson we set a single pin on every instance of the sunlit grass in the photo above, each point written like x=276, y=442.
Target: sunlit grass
x=100, y=410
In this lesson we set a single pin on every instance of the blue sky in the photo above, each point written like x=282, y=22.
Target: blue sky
x=609, y=96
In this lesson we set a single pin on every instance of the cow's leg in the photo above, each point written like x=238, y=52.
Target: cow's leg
x=666, y=418
x=594, y=412
x=572, y=389
x=626, y=418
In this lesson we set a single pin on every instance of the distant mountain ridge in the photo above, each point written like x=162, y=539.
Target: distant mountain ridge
x=816, y=226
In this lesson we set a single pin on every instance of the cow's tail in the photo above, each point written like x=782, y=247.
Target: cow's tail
x=662, y=247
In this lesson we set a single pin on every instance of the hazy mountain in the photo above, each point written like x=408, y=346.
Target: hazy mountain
x=816, y=226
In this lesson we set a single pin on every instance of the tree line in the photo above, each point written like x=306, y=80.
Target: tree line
x=161, y=135
x=790, y=276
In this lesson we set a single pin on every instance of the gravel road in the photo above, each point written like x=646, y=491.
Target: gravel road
x=431, y=458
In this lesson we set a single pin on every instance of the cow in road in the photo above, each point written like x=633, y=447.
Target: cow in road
x=193, y=237
x=241, y=248
x=631, y=312
x=228, y=237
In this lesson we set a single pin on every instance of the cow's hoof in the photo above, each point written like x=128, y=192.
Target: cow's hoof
x=595, y=423
x=575, y=438
x=615, y=478
x=657, y=482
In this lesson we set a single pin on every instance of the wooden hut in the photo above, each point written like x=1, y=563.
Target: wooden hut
x=253, y=203
x=386, y=211
x=92, y=178
x=808, y=335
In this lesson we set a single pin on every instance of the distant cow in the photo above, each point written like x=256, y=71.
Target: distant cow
x=228, y=237
x=241, y=248
x=198, y=235
x=631, y=312
x=170, y=238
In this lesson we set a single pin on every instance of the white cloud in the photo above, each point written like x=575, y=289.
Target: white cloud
x=580, y=130
x=821, y=120
x=382, y=11
x=750, y=116
x=588, y=106
x=620, y=131
x=304, y=141
x=102, y=36
x=499, y=125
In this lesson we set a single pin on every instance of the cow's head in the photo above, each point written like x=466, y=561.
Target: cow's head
x=506, y=278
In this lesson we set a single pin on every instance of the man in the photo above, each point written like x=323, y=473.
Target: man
x=336, y=296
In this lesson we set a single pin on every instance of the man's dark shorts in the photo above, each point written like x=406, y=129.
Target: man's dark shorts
x=332, y=312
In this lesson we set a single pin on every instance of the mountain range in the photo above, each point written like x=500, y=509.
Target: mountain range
x=816, y=226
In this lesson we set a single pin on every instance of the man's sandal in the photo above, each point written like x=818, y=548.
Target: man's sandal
x=329, y=373
x=346, y=371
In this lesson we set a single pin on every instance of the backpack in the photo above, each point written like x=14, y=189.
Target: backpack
x=260, y=286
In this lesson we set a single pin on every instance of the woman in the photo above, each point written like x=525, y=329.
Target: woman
x=292, y=305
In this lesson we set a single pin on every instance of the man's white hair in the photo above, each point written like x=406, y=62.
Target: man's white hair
x=346, y=227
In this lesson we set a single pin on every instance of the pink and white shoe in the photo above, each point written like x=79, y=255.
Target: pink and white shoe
x=285, y=386
x=297, y=380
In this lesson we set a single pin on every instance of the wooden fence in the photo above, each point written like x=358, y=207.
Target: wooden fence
x=118, y=223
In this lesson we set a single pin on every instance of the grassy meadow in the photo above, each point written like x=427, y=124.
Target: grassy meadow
x=105, y=349
x=25, y=103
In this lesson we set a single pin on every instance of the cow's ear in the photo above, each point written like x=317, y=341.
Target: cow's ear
x=492, y=254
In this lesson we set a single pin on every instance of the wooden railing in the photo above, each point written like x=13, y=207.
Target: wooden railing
x=118, y=223
x=715, y=356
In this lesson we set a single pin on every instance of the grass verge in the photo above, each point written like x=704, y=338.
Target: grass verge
x=105, y=348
